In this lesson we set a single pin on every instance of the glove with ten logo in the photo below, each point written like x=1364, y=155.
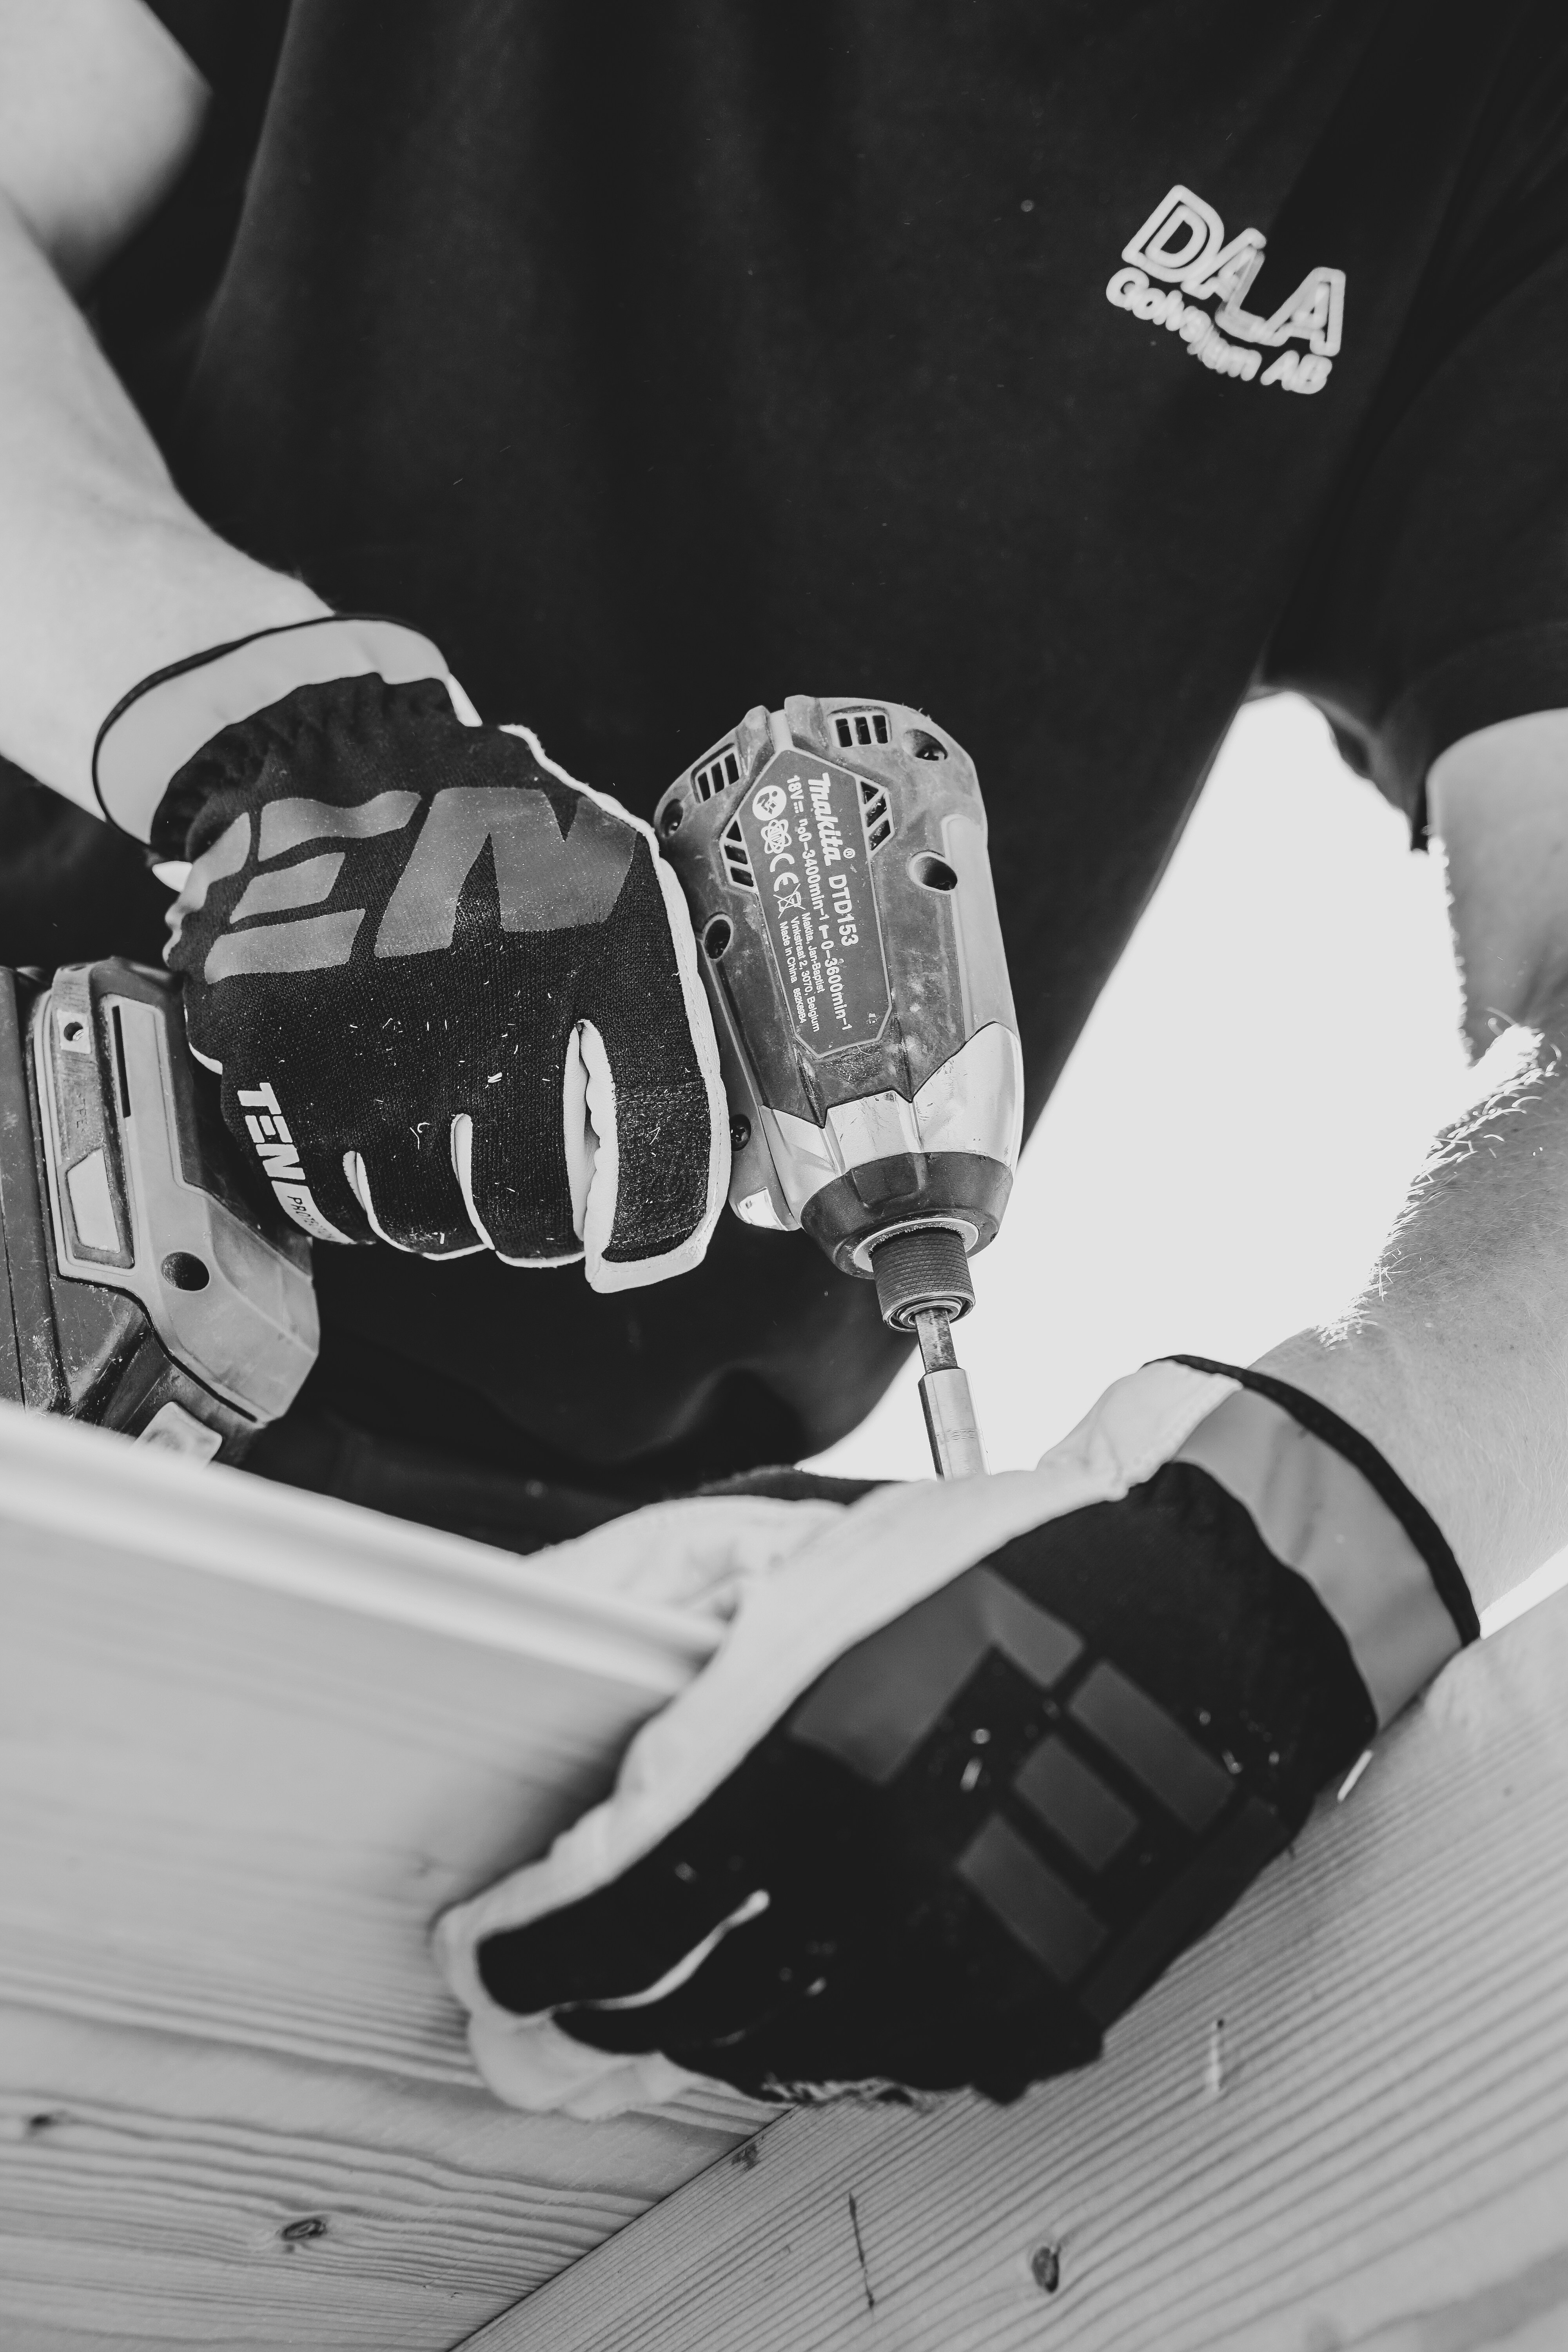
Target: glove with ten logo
x=452, y=994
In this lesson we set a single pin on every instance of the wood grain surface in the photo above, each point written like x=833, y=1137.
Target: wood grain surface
x=250, y=1742
x=1342, y=2123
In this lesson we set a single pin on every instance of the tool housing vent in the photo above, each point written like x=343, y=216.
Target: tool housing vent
x=879, y=815
x=737, y=864
x=717, y=773
x=852, y=727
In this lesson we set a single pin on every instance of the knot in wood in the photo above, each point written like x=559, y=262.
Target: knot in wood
x=1046, y=2268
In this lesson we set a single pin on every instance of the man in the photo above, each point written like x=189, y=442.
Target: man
x=1070, y=371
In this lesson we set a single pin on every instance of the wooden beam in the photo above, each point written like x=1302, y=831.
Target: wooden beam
x=1343, y=2121
x=250, y=1742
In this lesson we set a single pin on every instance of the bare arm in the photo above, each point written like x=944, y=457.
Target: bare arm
x=105, y=573
x=1455, y=1361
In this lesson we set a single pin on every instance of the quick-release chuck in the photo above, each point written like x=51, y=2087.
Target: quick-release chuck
x=923, y=1286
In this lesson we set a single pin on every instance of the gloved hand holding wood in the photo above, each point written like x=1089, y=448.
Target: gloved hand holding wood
x=451, y=993
x=974, y=1763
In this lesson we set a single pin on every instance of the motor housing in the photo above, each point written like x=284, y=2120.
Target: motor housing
x=834, y=858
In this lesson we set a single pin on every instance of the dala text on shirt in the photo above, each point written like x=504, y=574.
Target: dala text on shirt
x=1182, y=243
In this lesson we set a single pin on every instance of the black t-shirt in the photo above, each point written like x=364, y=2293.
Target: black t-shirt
x=1069, y=368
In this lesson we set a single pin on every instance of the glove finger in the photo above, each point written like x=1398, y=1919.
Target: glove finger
x=579, y=1135
x=724, y=1987
x=657, y=1165
x=511, y=1172
x=639, y=1932
x=409, y=1190
x=224, y=859
x=658, y=1110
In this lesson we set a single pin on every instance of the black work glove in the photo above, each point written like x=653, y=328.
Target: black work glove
x=452, y=994
x=973, y=1764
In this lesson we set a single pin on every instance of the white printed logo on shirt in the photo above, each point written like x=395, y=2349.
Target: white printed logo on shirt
x=1183, y=245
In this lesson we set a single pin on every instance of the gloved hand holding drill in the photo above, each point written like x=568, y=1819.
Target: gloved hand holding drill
x=452, y=994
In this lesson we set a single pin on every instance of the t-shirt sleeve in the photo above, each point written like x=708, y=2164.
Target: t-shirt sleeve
x=147, y=306
x=233, y=44
x=1436, y=600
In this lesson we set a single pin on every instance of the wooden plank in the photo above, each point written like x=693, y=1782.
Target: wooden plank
x=250, y=1742
x=1343, y=2121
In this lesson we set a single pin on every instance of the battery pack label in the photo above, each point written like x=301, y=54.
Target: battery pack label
x=805, y=838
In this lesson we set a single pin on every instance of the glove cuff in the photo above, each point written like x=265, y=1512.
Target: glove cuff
x=161, y=723
x=1329, y=1504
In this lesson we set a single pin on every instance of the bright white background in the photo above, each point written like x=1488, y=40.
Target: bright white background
x=1242, y=1116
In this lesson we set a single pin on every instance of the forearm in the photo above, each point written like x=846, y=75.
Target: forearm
x=1454, y=1362
x=105, y=573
